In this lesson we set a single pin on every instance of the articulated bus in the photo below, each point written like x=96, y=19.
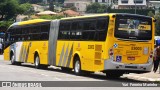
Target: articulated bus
x=110, y=43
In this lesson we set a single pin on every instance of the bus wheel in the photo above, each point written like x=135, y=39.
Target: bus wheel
x=77, y=66
x=37, y=62
x=113, y=74
x=13, y=62
x=65, y=69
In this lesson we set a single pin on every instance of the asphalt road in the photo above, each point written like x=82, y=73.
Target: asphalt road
x=27, y=72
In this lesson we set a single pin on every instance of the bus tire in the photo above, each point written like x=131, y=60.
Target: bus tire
x=113, y=74
x=12, y=58
x=77, y=66
x=37, y=62
x=66, y=69
x=44, y=66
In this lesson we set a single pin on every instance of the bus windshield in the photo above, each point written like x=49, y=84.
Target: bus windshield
x=133, y=28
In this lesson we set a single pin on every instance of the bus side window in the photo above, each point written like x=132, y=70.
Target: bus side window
x=101, y=29
x=79, y=30
x=73, y=30
x=25, y=33
x=45, y=31
x=64, y=30
x=88, y=29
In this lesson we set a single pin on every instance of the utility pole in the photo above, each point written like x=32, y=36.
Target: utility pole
x=135, y=7
x=51, y=7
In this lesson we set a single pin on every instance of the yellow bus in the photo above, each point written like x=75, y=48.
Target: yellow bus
x=110, y=43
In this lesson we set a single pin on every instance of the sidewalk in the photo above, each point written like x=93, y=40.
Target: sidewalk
x=144, y=77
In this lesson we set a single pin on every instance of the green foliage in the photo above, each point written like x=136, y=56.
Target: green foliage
x=157, y=25
x=26, y=9
x=30, y=1
x=4, y=25
x=132, y=11
x=150, y=13
x=96, y=8
x=51, y=17
x=38, y=1
x=8, y=9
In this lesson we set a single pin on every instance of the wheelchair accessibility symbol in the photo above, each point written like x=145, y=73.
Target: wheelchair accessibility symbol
x=118, y=58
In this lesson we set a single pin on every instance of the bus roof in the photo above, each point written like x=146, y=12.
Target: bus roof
x=29, y=22
x=104, y=14
x=85, y=16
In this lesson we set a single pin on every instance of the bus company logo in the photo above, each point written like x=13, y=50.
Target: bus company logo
x=6, y=84
x=115, y=45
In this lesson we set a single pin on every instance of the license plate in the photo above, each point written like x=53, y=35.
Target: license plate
x=131, y=58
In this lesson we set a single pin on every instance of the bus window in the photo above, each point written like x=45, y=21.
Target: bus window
x=133, y=28
x=64, y=30
x=45, y=31
x=89, y=29
x=73, y=30
x=101, y=29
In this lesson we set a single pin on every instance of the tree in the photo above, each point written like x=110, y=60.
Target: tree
x=51, y=17
x=61, y=1
x=30, y=1
x=150, y=13
x=157, y=17
x=96, y=8
x=4, y=25
x=8, y=9
x=26, y=9
x=51, y=7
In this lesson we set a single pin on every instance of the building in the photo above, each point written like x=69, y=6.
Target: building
x=80, y=5
x=156, y=5
x=38, y=8
x=20, y=18
x=45, y=1
x=107, y=2
x=131, y=4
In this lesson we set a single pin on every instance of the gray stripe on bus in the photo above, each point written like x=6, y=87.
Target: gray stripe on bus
x=28, y=47
x=61, y=56
x=65, y=56
x=24, y=54
x=69, y=57
x=52, y=43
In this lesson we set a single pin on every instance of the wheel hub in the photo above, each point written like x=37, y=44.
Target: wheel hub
x=77, y=66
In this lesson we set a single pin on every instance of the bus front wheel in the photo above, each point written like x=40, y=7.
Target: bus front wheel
x=77, y=66
x=13, y=62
